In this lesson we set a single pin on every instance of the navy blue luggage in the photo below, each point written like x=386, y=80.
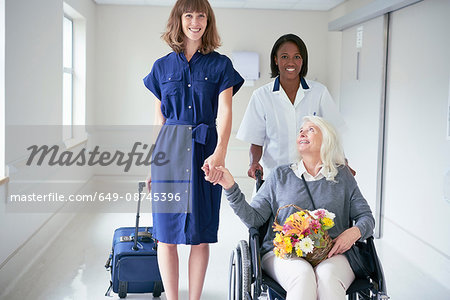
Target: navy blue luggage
x=133, y=262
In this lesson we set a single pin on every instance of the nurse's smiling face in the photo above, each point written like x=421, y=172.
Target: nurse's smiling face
x=289, y=61
x=194, y=25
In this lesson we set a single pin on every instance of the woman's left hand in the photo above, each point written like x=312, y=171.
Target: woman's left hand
x=345, y=241
x=209, y=167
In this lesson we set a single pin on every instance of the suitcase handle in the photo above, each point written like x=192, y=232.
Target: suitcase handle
x=141, y=186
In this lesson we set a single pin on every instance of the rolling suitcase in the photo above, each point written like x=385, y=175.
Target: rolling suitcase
x=133, y=262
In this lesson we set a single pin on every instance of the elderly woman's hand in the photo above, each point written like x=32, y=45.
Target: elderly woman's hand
x=210, y=164
x=226, y=179
x=345, y=241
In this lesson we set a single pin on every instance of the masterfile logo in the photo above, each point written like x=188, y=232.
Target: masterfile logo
x=99, y=171
x=95, y=157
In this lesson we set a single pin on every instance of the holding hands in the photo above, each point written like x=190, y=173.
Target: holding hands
x=210, y=164
x=226, y=180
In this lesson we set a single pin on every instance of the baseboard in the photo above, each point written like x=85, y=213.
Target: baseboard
x=428, y=259
x=20, y=261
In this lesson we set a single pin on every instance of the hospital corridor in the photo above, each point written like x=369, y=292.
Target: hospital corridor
x=97, y=95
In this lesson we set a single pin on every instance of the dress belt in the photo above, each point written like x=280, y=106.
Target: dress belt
x=199, y=131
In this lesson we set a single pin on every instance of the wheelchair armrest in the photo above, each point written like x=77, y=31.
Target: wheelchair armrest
x=377, y=264
x=253, y=231
x=255, y=259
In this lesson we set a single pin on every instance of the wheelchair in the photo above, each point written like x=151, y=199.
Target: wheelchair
x=247, y=280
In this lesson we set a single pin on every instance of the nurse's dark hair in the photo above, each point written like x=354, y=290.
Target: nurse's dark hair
x=301, y=47
x=173, y=35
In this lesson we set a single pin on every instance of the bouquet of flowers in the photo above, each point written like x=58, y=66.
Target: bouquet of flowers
x=304, y=234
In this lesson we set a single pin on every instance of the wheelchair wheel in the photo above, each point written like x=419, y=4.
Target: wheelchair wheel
x=240, y=276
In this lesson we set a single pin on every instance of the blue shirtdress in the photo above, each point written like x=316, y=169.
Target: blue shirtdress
x=189, y=93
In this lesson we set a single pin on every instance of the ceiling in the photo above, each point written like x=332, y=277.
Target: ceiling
x=255, y=4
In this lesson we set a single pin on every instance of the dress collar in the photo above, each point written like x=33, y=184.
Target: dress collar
x=194, y=57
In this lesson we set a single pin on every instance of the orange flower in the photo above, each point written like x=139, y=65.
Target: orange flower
x=277, y=227
x=298, y=224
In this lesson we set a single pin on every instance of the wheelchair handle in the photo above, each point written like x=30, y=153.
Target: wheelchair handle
x=259, y=181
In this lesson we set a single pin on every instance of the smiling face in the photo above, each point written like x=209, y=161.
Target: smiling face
x=289, y=61
x=194, y=25
x=309, y=139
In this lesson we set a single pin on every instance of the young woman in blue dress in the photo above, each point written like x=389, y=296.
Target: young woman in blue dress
x=194, y=86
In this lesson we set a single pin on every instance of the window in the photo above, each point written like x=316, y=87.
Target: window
x=67, y=105
x=74, y=77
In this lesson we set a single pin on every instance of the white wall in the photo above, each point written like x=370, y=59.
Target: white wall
x=33, y=87
x=418, y=152
x=334, y=46
x=129, y=42
x=2, y=86
x=123, y=43
x=360, y=103
x=33, y=70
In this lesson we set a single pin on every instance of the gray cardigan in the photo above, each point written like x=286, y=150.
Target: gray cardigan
x=282, y=187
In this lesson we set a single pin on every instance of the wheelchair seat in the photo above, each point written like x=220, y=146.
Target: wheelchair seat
x=248, y=281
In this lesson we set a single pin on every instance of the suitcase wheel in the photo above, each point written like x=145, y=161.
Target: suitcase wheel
x=157, y=289
x=123, y=287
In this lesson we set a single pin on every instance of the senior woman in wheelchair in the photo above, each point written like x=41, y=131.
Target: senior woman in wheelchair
x=332, y=187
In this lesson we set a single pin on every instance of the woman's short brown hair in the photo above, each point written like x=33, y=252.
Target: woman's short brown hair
x=174, y=32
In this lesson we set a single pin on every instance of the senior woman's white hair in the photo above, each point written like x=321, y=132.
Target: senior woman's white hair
x=331, y=151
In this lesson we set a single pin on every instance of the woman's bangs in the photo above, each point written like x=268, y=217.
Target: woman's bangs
x=194, y=6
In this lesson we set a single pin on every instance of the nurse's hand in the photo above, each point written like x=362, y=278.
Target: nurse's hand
x=226, y=180
x=252, y=170
x=210, y=164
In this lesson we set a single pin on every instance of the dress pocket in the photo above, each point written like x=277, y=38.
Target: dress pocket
x=171, y=85
x=206, y=84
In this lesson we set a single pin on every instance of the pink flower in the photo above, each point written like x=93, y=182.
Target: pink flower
x=315, y=224
x=320, y=213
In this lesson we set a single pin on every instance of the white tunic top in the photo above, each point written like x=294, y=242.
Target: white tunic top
x=272, y=121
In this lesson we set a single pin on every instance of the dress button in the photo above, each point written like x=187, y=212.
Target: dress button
x=206, y=78
x=189, y=85
x=187, y=170
x=190, y=107
x=170, y=78
x=190, y=128
x=188, y=149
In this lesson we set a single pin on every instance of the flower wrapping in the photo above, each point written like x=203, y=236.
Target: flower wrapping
x=304, y=234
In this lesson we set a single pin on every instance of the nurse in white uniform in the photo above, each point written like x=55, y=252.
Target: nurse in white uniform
x=275, y=112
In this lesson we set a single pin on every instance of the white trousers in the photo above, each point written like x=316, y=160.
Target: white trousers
x=327, y=281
